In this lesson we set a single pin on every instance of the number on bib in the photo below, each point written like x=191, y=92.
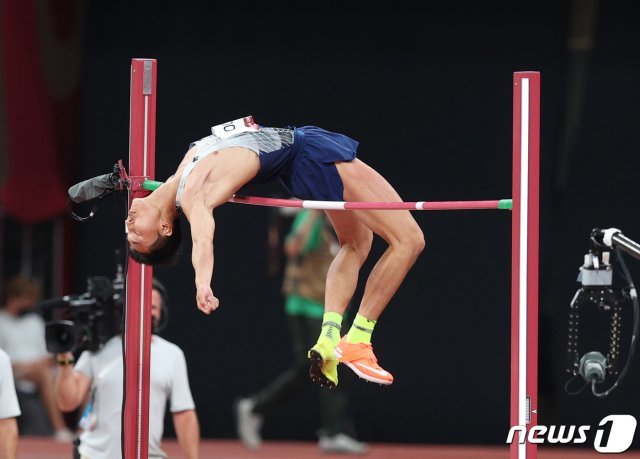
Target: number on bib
x=235, y=127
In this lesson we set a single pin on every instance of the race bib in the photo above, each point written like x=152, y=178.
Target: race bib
x=231, y=128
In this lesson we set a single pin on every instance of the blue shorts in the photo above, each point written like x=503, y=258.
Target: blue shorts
x=313, y=174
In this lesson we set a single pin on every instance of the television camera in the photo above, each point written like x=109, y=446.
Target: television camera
x=596, y=289
x=75, y=323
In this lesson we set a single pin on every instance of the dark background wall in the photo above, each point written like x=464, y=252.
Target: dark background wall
x=426, y=89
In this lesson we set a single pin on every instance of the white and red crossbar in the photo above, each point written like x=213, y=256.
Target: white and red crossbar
x=524, y=280
x=343, y=205
x=503, y=204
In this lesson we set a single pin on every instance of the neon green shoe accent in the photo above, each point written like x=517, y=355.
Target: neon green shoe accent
x=361, y=330
x=324, y=365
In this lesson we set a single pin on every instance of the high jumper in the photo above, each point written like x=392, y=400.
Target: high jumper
x=313, y=164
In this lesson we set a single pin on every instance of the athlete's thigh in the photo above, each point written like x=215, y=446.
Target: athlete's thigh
x=350, y=229
x=363, y=183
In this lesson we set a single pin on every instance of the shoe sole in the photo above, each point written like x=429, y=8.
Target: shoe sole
x=315, y=371
x=366, y=377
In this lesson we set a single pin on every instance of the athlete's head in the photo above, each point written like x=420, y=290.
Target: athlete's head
x=154, y=236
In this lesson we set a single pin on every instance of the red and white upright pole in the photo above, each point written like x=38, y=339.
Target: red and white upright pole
x=137, y=343
x=524, y=270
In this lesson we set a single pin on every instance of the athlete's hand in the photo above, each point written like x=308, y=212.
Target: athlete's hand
x=205, y=300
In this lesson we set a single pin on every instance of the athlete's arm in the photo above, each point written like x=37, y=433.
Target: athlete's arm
x=235, y=170
x=202, y=229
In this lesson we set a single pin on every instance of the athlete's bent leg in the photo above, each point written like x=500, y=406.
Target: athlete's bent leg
x=397, y=227
x=405, y=243
x=342, y=278
x=355, y=244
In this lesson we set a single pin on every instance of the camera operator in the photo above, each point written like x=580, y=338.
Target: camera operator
x=97, y=379
x=22, y=338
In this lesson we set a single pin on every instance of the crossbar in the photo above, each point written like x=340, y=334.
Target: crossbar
x=501, y=204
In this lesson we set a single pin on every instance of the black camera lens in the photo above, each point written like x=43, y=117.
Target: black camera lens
x=60, y=336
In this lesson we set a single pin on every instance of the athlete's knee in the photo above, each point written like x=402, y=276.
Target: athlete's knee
x=418, y=241
x=411, y=242
x=360, y=246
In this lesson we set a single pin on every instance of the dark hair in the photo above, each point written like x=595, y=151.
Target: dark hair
x=157, y=285
x=20, y=286
x=165, y=251
x=164, y=306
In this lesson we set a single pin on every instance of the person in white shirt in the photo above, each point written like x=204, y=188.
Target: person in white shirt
x=22, y=332
x=9, y=410
x=98, y=378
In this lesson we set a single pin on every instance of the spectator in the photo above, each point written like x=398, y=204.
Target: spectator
x=98, y=377
x=308, y=248
x=22, y=338
x=9, y=410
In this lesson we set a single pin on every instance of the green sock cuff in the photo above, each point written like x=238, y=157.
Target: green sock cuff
x=363, y=322
x=331, y=323
x=361, y=330
x=332, y=317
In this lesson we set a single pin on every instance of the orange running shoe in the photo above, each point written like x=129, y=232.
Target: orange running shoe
x=360, y=358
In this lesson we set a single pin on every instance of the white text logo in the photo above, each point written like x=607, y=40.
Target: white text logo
x=613, y=435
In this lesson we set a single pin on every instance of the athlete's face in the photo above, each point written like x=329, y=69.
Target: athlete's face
x=143, y=225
